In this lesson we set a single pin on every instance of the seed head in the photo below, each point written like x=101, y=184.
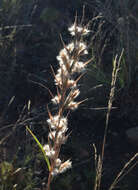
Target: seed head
x=64, y=166
x=49, y=151
x=74, y=30
x=55, y=172
x=56, y=99
x=57, y=122
x=57, y=162
x=72, y=105
x=78, y=67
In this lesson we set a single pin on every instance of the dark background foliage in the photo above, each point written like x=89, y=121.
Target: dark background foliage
x=29, y=43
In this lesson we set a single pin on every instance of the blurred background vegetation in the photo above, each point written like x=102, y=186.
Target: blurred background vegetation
x=29, y=44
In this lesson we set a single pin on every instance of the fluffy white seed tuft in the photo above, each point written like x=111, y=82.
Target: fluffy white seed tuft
x=57, y=122
x=49, y=151
x=64, y=166
x=74, y=30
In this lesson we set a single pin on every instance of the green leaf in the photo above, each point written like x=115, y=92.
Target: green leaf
x=40, y=146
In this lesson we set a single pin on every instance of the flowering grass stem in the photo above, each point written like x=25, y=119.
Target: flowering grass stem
x=70, y=62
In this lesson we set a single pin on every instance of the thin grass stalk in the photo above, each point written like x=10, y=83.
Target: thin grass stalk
x=123, y=173
x=116, y=68
x=95, y=161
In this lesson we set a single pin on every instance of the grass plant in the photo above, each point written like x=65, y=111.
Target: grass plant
x=71, y=69
x=99, y=159
x=71, y=64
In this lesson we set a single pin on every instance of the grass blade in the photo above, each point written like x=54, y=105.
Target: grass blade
x=40, y=146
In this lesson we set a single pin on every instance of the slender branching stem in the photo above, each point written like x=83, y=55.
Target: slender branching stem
x=99, y=168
